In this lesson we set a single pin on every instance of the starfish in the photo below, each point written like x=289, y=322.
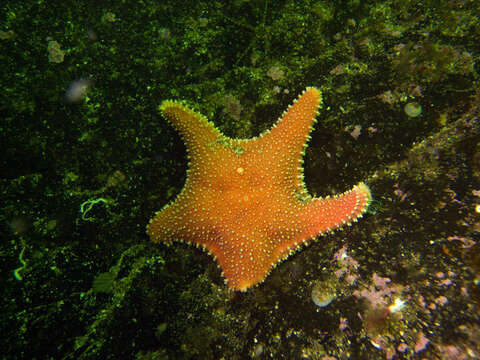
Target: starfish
x=244, y=200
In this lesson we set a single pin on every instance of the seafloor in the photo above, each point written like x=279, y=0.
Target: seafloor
x=86, y=160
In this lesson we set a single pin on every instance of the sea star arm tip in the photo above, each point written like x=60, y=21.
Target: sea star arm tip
x=197, y=131
x=292, y=130
x=322, y=215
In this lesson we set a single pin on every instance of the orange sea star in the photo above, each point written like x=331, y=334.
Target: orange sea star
x=245, y=201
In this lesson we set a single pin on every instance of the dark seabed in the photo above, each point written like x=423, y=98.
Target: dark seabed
x=87, y=160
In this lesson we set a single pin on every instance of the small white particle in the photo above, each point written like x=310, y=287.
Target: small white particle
x=397, y=305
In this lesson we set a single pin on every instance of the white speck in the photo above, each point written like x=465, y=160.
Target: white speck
x=397, y=305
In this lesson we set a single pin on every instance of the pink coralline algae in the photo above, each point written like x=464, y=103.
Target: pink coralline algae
x=380, y=282
x=441, y=300
x=466, y=243
x=422, y=342
x=451, y=352
x=355, y=133
x=377, y=294
x=348, y=266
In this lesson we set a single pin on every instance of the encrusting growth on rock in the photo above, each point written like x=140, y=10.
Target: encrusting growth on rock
x=245, y=201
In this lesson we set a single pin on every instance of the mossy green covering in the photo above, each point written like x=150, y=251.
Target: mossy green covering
x=86, y=160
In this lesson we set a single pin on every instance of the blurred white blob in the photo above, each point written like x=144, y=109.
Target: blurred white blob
x=77, y=90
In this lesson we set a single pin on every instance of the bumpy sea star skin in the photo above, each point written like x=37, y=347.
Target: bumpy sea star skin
x=245, y=201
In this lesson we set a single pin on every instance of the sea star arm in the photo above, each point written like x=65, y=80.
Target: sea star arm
x=322, y=215
x=197, y=132
x=292, y=130
x=289, y=136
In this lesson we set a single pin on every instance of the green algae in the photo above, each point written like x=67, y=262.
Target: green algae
x=219, y=56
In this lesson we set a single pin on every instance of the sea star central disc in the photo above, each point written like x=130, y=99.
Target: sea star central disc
x=245, y=201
